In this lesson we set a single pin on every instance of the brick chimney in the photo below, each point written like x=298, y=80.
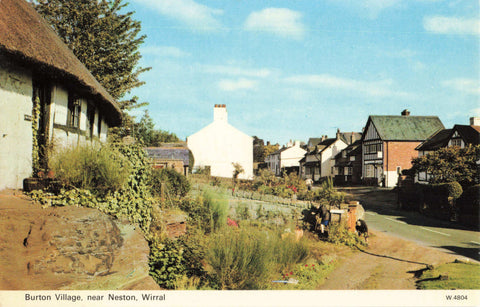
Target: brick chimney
x=405, y=112
x=220, y=113
x=474, y=121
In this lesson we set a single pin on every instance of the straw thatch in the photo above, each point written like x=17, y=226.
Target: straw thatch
x=25, y=37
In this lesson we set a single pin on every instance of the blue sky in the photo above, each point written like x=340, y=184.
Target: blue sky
x=299, y=69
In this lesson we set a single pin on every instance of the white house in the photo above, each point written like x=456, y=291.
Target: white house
x=36, y=66
x=219, y=145
x=287, y=158
x=319, y=161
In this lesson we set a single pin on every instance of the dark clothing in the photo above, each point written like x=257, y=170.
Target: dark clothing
x=325, y=214
x=362, y=228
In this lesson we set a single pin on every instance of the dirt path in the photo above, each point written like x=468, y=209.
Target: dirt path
x=388, y=263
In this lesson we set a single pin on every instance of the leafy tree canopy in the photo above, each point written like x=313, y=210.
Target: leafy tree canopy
x=261, y=151
x=104, y=38
x=146, y=132
x=449, y=164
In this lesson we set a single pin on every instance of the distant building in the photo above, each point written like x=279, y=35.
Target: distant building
x=35, y=65
x=319, y=161
x=389, y=142
x=348, y=165
x=174, y=156
x=286, y=159
x=219, y=145
x=460, y=135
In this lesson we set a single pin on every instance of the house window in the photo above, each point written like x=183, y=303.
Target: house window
x=457, y=142
x=91, y=118
x=99, y=124
x=74, y=109
x=422, y=176
x=373, y=148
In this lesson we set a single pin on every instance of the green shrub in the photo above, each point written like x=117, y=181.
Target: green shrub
x=454, y=190
x=208, y=210
x=133, y=201
x=242, y=211
x=287, y=251
x=166, y=262
x=240, y=259
x=217, y=205
x=175, y=183
x=96, y=168
x=339, y=234
x=248, y=257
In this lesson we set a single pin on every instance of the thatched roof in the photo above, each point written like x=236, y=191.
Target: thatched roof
x=27, y=38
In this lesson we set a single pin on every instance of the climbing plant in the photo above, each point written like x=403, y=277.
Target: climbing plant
x=35, y=146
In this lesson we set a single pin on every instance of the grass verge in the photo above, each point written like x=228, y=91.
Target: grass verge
x=451, y=276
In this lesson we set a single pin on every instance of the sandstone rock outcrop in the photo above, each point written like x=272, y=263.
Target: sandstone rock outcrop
x=69, y=248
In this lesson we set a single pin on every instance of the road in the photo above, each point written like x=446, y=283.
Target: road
x=381, y=214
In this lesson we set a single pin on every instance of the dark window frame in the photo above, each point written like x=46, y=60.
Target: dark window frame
x=74, y=111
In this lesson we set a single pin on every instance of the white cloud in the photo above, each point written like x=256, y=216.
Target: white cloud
x=451, y=25
x=164, y=51
x=373, y=89
x=195, y=16
x=235, y=71
x=279, y=21
x=469, y=86
x=235, y=85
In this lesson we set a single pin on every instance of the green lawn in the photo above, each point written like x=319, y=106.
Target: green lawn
x=460, y=276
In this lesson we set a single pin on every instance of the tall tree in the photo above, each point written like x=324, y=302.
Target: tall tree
x=450, y=164
x=146, y=132
x=105, y=39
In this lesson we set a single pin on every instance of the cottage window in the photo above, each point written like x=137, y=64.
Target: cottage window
x=91, y=118
x=99, y=124
x=457, y=142
x=74, y=109
x=349, y=171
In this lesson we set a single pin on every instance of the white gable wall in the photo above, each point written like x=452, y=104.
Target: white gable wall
x=219, y=145
x=328, y=157
x=15, y=130
x=292, y=156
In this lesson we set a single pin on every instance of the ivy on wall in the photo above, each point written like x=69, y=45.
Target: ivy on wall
x=35, y=146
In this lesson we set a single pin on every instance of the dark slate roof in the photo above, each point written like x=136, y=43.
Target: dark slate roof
x=314, y=141
x=470, y=134
x=405, y=128
x=436, y=141
x=169, y=153
x=26, y=37
x=324, y=145
x=350, y=137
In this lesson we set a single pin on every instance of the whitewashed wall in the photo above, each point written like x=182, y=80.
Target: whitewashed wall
x=15, y=131
x=218, y=145
x=292, y=156
x=16, y=91
x=328, y=157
